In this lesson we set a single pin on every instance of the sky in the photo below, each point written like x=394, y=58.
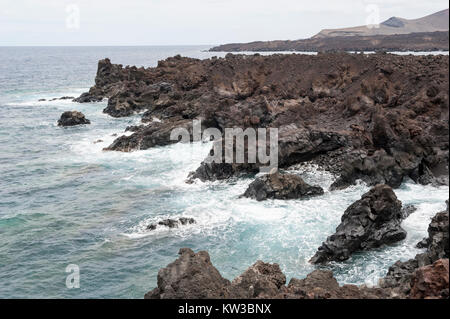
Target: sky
x=189, y=22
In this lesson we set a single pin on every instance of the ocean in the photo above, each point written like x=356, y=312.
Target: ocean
x=65, y=201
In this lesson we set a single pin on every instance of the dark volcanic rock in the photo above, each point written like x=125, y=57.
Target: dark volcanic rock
x=151, y=135
x=191, y=276
x=172, y=223
x=88, y=98
x=281, y=186
x=320, y=284
x=136, y=97
x=400, y=274
x=262, y=280
x=370, y=222
x=431, y=281
x=62, y=98
x=71, y=118
x=380, y=118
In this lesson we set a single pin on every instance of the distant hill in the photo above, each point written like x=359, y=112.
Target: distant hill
x=395, y=34
x=434, y=22
x=423, y=41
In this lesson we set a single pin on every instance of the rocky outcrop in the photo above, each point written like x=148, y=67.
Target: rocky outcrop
x=151, y=135
x=262, y=280
x=437, y=243
x=431, y=281
x=370, y=222
x=192, y=276
x=281, y=186
x=321, y=284
x=380, y=118
x=172, y=223
x=401, y=273
x=72, y=118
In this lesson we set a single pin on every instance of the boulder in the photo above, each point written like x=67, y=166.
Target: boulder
x=370, y=222
x=431, y=281
x=71, y=118
x=191, y=276
x=400, y=274
x=321, y=284
x=172, y=223
x=281, y=186
x=258, y=281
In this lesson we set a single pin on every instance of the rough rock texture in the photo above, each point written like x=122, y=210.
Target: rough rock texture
x=370, y=222
x=320, y=284
x=71, y=118
x=261, y=280
x=379, y=118
x=400, y=274
x=192, y=276
x=281, y=186
x=172, y=223
x=431, y=281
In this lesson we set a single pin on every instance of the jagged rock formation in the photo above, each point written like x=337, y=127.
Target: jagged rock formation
x=192, y=276
x=400, y=274
x=72, y=118
x=431, y=281
x=370, y=222
x=281, y=186
x=379, y=118
x=172, y=223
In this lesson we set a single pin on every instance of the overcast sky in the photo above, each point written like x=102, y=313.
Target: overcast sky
x=182, y=22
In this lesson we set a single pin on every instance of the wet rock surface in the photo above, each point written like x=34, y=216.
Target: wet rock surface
x=437, y=247
x=172, y=223
x=72, y=118
x=281, y=186
x=370, y=222
x=192, y=276
x=431, y=281
x=380, y=118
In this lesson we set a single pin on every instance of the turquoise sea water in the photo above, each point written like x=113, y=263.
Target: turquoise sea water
x=65, y=201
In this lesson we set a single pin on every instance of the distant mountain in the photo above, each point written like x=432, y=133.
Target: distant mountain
x=434, y=22
x=395, y=34
x=419, y=41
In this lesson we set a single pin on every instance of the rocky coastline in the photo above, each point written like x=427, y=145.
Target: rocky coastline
x=378, y=118
x=193, y=276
